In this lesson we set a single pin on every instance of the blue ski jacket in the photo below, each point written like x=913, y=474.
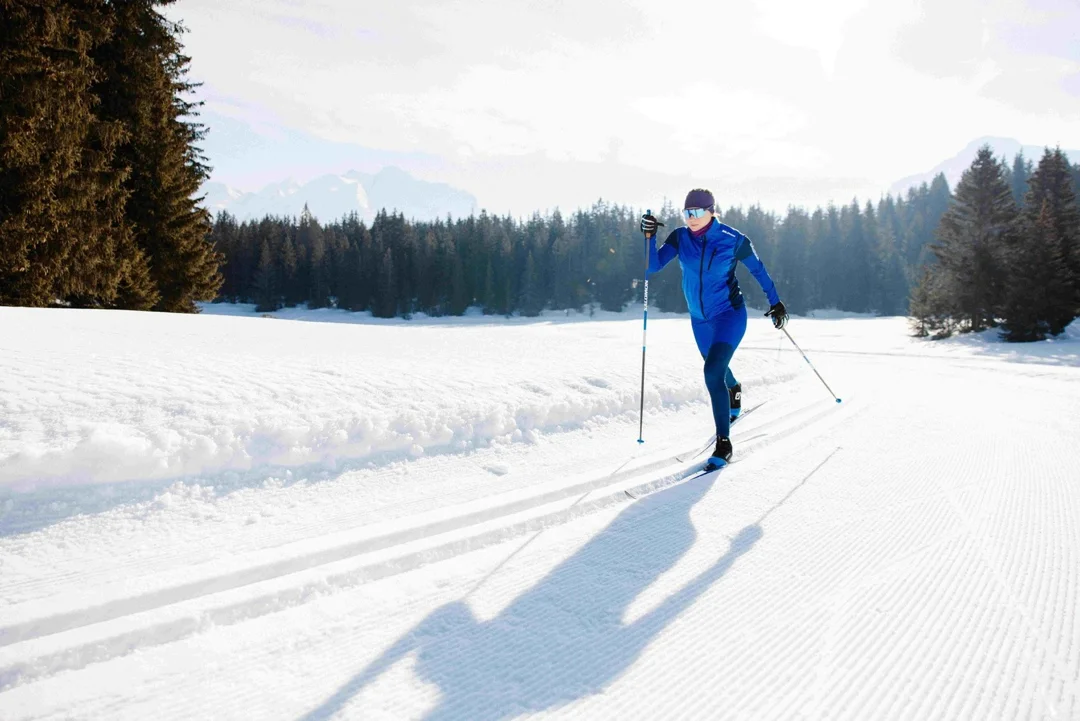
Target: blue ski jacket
x=708, y=268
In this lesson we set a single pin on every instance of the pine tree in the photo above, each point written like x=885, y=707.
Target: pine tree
x=386, y=300
x=971, y=242
x=143, y=87
x=1037, y=287
x=929, y=308
x=1076, y=180
x=1018, y=178
x=489, y=290
x=310, y=238
x=61, y=202
x=890, y=287
x=350, y=294
x=459, y=296
x=1051, y=186
x=227, y=243
x=529, y=301
x=266, y=291
x=292, y=286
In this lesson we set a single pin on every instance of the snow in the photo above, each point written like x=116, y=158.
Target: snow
x=320, y=514
x=97, y=402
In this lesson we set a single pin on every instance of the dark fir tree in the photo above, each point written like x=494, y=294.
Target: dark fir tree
x=530, y=302
x=386, y=300
x=1076, y=179
x=143, y=86
x=267, y=295
x=459, y=294
x=971, y=244
x=1037, y=288
x=310, y=238
x=228, y=244
x=1018, y=178
x=63, y=235
x=929, y=308
x=1051, y=190
x=290, y=278
x=889, y=284
x=489, y=300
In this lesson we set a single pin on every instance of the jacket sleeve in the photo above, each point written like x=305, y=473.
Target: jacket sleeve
x=667, y=252
x=750, y=259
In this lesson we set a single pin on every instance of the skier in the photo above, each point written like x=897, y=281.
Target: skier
x=708, y=251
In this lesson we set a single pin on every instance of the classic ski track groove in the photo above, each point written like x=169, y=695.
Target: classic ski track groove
x=212, y=612
x=261, y=540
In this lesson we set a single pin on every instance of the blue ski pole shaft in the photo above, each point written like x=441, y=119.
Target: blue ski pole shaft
x=810, y=364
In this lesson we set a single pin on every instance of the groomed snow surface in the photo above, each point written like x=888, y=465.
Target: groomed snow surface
x=319, y=515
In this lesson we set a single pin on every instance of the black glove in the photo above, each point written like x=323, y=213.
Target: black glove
x=649, y=224
x=779, y=314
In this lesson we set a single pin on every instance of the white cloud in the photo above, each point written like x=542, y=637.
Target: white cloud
x=820, y=27
x=764, y=89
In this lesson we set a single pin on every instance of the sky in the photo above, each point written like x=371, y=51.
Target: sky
x=532, y=105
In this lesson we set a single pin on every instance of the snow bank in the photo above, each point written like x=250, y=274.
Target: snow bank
x=91, y=397
x=106, y=396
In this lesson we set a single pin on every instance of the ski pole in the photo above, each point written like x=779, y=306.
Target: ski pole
x=644, y=330
x=810, y=364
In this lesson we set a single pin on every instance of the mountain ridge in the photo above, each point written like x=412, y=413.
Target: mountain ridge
x=955, y=166
x=335, y=195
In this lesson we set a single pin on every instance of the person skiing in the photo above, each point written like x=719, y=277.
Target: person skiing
x=708, y=252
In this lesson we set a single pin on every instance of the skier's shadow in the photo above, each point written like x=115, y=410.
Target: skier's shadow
x=566, y=637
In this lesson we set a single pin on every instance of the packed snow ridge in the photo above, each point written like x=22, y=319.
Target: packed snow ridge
x=99, y=396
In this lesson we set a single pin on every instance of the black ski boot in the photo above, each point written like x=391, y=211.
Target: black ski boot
x=721, y=455
x=735, y=397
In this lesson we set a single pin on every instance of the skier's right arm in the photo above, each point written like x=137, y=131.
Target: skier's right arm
x=666, y=253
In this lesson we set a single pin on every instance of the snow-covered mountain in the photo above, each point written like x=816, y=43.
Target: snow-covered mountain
x=330, y=197
x=955, y=166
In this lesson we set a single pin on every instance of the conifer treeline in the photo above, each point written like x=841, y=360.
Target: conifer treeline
x=98, y=164
x=1008, y=252
x=856, y=257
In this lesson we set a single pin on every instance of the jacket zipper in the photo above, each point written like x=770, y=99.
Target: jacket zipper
x=701, y=278
x=711, y=260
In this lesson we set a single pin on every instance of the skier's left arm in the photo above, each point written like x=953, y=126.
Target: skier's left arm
x=750, y=259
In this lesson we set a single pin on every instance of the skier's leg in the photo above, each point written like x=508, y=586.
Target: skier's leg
x=731, y=329
x=727, y=332
x=716, y=365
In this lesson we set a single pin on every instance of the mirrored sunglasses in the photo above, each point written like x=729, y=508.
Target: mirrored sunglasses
x=696, y=212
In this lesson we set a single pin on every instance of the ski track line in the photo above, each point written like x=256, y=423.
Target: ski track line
x=347, y=521
x=126, y=607
x=185, y=625
x=272, y=537
x=335, y=519
x=151, y=562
